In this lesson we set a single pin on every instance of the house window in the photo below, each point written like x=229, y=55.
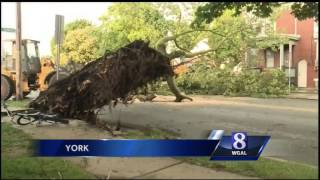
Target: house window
x=270, y=58
x=317, y=54
x=315, y=29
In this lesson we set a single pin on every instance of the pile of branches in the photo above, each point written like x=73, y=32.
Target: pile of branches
x=108, y=79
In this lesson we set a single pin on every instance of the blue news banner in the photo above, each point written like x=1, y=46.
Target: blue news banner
x=238, y=146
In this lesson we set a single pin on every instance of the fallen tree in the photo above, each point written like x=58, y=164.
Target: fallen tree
x=104, y=80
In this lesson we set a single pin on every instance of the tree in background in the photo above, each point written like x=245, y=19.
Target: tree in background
x=232, y=52
x=304, y=10
x=80, y=43
x=207, y=12
x=125, y=22
x=80, y=46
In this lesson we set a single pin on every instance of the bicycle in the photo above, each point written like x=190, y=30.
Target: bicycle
x=28, y=116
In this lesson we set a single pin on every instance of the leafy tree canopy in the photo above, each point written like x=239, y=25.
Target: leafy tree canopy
x=77, y=24
x=80, y=42
x=126, y=22
x=207, y=12
x=80, y=45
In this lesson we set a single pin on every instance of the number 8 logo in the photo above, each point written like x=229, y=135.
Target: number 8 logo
x=239, y=141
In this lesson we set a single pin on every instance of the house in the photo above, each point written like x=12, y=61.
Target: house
x=300, y=53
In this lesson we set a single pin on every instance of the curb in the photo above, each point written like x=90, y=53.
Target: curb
x=315, y=99
x=287, y=161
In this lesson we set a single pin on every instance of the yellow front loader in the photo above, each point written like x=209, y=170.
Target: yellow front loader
x=36, y=74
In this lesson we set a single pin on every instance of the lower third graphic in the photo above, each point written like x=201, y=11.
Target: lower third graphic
x=238, y=146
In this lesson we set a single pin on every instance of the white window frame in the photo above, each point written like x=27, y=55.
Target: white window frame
x=315, y=29
x=317, y=53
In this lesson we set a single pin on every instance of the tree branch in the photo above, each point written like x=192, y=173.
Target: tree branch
x=160, y=45
x=179, y=53
x=179, y=47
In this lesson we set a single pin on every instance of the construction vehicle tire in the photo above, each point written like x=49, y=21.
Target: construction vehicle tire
x=7, y=87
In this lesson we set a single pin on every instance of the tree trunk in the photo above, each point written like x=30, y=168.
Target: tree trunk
x=174, y=89
x=104, y=80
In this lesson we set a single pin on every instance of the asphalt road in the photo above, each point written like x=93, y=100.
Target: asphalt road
x=291, y=123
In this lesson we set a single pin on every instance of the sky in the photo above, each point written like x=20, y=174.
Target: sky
x=38, y=18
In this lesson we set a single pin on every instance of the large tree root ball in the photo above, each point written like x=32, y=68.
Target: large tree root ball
x=108, y=78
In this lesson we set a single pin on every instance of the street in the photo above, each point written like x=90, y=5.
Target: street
x=291, y=123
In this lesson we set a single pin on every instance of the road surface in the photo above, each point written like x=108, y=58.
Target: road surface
x=291, y=123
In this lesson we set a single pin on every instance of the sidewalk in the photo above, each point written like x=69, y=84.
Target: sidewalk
x=300, y=95
x=111, y=168
x=151, y=168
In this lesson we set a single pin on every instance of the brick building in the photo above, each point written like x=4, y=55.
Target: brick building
x=300, y=53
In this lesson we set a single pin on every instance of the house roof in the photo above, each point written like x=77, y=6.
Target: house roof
x=294, y=37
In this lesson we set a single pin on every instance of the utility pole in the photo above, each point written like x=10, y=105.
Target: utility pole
x=59, y=39
x=19, y=95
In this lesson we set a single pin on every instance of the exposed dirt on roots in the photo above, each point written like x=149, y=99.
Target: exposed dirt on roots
x=104, y=80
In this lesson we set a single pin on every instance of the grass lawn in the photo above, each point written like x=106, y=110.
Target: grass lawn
x=262, y=168
x=17, y=163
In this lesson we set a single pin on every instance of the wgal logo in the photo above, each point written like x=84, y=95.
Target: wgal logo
x=239, y=143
